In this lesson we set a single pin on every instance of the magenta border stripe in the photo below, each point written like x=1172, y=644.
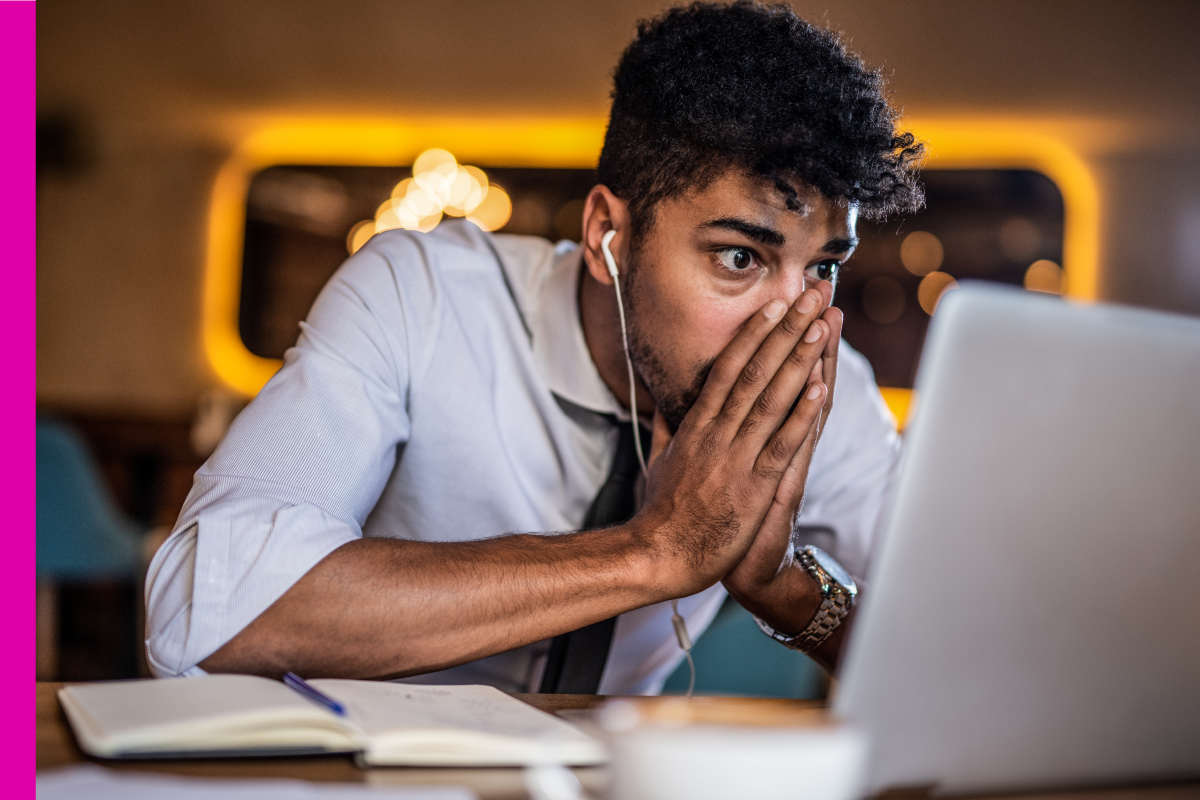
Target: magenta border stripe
x=18, y=396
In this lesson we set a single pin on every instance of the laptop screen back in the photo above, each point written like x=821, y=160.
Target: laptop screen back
x=1032, y=616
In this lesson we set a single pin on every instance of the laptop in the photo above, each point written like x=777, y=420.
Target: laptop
x=1032, y=618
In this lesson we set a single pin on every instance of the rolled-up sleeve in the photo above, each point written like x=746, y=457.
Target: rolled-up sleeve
x=301, y=467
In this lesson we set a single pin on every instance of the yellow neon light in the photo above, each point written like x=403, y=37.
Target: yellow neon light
x=551, y=142
x=1008, y=144
x=511, y=142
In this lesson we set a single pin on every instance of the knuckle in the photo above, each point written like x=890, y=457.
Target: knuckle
x=779, y=449
x=768, y=471
x=797, y=358
x=766, y=404
x=754, y=371
x=790, y=325
x=728, y=415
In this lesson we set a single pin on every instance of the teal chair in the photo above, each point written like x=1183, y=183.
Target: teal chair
x=81, y=535
x=82, y=539
x=734, y=657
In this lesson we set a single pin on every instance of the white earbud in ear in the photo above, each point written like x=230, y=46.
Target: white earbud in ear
x=608, y=256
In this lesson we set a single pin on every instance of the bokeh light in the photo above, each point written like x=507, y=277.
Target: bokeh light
x=420, y=202
x=386, y=217
x=401, y=189
x=494, y=211
x=439, y=187
x=1044, y=276
x=883, y=299
x=434, y=171
x=467, y=191
x=359, y=235
x=921, y=252
x=933, y=287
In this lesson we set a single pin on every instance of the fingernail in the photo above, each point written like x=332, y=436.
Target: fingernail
x=775, y=309
x=807, y=303
x=814, y=392
x=813, y=333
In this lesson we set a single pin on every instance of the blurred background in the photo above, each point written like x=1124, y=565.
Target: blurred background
x=142, y=104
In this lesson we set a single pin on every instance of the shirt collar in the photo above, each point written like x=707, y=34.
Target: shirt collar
x=560, y=351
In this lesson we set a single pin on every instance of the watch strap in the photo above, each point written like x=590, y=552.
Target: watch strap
x=836, y=603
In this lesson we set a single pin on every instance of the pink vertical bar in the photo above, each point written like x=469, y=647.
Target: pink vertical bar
x=18, y=186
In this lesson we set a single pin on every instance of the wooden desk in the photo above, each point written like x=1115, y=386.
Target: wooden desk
x=56, y=748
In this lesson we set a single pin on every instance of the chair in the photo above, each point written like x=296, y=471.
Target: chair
x=81, y=535
x=733, y=657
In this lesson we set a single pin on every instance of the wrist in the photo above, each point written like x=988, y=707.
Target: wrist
x=838, y=593
x=788, y=603
x=659, y=564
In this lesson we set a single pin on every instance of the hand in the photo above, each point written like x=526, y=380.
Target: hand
x=767, y=581
x=735, y=457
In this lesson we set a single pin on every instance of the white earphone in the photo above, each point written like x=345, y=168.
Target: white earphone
x=681, y=632
x=612, y=270
x=608, y=256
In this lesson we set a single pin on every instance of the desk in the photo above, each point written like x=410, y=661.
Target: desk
x=56, y=748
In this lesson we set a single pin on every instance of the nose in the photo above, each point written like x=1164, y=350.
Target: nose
x=790, y=284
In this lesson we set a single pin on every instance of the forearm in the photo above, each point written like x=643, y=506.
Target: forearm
x=391, y=607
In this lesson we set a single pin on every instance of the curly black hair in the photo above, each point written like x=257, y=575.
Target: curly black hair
x=710, y=86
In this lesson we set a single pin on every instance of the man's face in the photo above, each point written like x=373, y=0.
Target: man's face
x=713, y=258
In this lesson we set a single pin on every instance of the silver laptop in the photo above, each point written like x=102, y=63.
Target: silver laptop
x=1032, y=617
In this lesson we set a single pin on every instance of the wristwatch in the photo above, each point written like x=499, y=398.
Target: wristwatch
x=838, y=593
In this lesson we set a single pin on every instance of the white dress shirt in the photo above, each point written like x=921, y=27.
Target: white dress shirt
x=417, y=405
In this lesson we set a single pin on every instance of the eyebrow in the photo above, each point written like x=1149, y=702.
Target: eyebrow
x=760, y=234
x=838, y=246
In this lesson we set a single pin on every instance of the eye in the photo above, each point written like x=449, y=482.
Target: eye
x=824, y=270
x=736, y=259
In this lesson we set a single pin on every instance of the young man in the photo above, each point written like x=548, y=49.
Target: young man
x=452, y=387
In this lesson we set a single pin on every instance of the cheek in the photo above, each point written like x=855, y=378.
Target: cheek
x=707, y=324
x=686, y=320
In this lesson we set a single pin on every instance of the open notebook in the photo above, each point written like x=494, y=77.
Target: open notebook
x=386, y=723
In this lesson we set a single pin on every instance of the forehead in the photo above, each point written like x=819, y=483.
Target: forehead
x=737, y=194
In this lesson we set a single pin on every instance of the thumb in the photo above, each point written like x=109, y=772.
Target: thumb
x=661, y=437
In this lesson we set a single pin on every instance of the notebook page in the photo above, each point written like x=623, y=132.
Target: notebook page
x=132, y=714
x=380, y=707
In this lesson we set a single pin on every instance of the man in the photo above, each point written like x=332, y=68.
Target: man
x=451, y=387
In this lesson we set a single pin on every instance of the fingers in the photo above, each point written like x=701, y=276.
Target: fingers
x=774, y=375
x=832, y=317
x=779, y=452
x=801, y=367
x=791, y=486
x=730, y=363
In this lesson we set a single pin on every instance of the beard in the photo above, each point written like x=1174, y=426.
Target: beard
x=674, y=395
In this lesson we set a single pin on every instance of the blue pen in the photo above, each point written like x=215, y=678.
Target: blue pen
x=320, y=698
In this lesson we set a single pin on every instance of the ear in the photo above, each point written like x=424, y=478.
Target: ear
x=604, y=211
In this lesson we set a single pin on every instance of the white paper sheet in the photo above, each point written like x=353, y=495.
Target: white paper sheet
x=91, y=782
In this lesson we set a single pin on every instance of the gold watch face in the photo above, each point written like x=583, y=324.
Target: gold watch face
x=832, y=568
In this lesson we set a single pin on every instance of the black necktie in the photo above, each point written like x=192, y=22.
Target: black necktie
x=577, y=658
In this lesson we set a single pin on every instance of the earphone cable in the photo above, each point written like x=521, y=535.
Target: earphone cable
x=677, y=621
x=637, y=436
